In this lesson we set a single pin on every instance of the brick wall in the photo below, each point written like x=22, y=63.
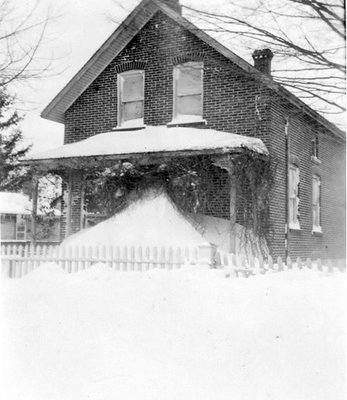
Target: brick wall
x=229, y=96
x=301, y=131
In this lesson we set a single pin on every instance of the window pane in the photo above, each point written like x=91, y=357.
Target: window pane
x=315, y=192
x=189, y=80
x=316, y=202
x=132, y=110
x=291, y=210
x=132, y=88
x=20, y=236
x=189, y=105
x=293, y=194
x=8, y=230
x=316, y=216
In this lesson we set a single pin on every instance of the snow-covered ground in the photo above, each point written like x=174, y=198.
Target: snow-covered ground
x=183, y=334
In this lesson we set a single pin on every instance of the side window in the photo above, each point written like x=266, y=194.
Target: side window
x=293, y=197
x=316, y=204
x=315, y=148
x=130, y=98
x=188, y=89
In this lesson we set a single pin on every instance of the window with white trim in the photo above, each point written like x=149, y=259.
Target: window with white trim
x=316, y=204
x=293, y=197
x=188, y=89
x=315, y=147
x=130, y=98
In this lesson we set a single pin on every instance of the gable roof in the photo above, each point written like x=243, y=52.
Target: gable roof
x=122, y=36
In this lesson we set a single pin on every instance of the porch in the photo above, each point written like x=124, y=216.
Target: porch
x=148, y=147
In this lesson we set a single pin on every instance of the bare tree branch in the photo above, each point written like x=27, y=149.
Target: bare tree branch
x=307, y=36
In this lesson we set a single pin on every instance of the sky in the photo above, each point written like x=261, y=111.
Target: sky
x=76, y=30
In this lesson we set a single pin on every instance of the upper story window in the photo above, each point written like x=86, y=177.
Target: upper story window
x=315, y=147
x=293, y=197
x=316, y=206
x=315, y=154
x=188, y=89
x=130, y=98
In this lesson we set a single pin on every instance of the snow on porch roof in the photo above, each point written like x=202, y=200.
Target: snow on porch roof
x=153, y=139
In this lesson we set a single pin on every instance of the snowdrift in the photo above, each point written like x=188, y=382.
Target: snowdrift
x=151, y=221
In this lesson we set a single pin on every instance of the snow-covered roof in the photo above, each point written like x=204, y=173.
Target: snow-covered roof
x=14, y=203
x=154, y=139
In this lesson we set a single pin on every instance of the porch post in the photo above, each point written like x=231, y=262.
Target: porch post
x=34, y=196
x=73, y=200
x=67, y=201
x=232, y=212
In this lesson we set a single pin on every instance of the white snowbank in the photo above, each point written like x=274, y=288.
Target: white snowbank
x=168, y=335
x=153, y=139
x=228, y=237
x=150, y=221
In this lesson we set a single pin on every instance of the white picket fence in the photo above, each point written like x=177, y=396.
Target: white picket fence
x=17, y=260
x=239, y=266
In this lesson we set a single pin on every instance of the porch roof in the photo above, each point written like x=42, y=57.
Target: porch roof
x=154, y=140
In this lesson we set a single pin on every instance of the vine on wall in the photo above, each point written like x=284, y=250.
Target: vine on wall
x=188, y=183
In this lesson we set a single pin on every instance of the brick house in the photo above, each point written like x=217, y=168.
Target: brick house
x=159, y=70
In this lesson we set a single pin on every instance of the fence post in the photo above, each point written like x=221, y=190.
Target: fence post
x=270, y=263
x=298, y=262
x=6, y=266
x=206, y=254
x=261, y=264
x=319, y=264
x=289, y=263
x=330, y=265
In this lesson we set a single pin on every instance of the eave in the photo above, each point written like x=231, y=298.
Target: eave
x=81, y=163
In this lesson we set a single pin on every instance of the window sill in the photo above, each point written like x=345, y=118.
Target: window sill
x=294, y=228
x=179, y=122
x=317, y=231
x=129, y=128
x=316, y=160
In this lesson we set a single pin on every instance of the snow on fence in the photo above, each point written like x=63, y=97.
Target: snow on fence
x=236, y=266
x=19, y=260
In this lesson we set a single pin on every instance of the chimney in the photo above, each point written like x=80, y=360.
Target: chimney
x=174, y=4
x=262, y=60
